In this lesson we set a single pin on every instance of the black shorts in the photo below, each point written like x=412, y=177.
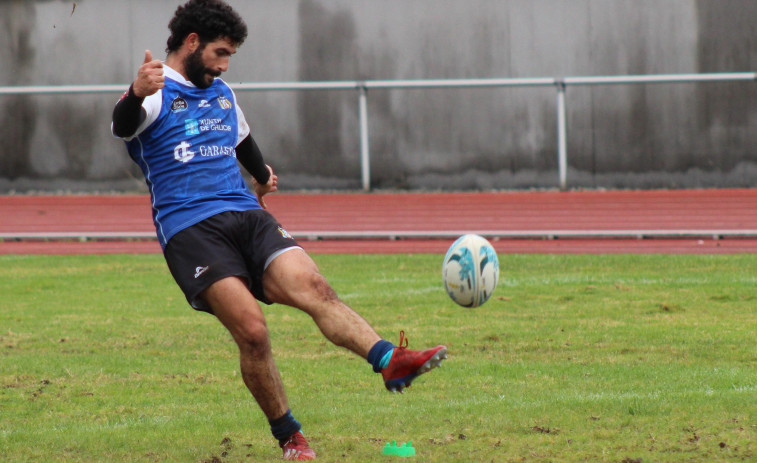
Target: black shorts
x=227, y=244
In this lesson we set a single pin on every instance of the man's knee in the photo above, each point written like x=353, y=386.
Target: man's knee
x=252, y=336
x=320, y=287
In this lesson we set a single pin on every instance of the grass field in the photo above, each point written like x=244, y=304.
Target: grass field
x=618, y=358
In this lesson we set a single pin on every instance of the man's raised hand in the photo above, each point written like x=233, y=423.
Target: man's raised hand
x=149, y=77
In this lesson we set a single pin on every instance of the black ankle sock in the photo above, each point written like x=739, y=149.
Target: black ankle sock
x=282, y=428
x=377, y=353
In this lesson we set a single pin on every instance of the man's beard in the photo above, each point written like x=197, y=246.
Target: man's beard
x=196, y=71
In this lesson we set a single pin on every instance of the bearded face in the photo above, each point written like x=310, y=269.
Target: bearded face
x=197, y=72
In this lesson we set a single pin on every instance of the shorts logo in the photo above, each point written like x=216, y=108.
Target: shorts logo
x=285, y=233
x=181, y=153
x=199, y=271
x=179, y=104
x=191, y=127
x=224, y=102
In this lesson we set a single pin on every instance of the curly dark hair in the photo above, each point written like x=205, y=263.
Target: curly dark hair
x=210, y=19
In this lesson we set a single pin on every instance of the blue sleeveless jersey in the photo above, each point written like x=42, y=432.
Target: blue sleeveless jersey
x=188, y=156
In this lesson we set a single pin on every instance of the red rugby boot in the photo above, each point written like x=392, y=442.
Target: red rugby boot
x=405, y=364
x=296, y=448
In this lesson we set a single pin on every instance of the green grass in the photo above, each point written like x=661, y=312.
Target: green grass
x=620, y=358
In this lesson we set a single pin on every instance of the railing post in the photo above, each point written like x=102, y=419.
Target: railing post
x=365, y=157
x=562, y=135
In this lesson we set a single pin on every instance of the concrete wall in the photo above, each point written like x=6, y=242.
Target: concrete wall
x=642, y=136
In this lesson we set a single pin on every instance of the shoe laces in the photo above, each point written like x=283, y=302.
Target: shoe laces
x=403, y=339
x=296, y=439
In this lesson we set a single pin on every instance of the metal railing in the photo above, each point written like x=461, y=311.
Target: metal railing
x=714, y=234
x=362, y=87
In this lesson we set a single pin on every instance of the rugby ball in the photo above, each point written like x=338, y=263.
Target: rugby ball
x=470, y=270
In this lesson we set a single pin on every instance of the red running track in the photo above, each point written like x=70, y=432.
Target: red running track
x=586, y=213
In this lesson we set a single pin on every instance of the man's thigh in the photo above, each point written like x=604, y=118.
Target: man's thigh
x=293, y=279
x=235, y=307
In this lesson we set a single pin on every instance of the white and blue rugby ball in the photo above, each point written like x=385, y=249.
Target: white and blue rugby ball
x=470, y=270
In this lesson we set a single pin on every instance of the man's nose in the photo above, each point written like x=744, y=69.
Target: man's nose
x=223, y=66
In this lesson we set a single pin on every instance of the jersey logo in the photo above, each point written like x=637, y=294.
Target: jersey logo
x=179, y=104
x=204, y=104
x=181, y=153
x=285, y=233
x=224, y=102
x=191, y=127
